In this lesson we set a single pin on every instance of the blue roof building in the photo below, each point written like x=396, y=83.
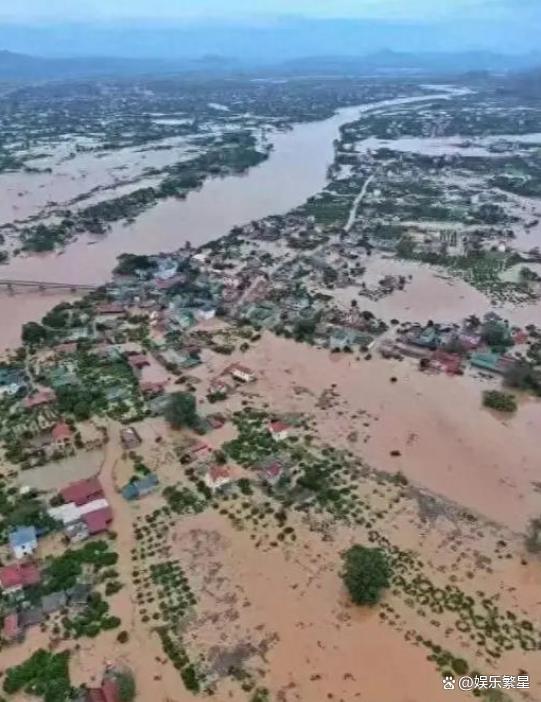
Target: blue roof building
x=23, y=541
x=140, y=488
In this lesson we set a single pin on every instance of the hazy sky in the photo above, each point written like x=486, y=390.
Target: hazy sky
x=250, y=9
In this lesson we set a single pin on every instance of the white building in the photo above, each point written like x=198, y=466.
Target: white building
x=70, y=513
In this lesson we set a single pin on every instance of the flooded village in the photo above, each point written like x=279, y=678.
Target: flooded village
x=271, y=379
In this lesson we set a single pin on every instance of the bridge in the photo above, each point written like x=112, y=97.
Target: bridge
x=10, y=284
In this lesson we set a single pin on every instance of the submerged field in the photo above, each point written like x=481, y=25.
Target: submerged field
x=236, y=591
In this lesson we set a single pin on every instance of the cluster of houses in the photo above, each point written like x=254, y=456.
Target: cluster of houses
x=14, y=580
x=450, y=347
x=24, y=574
x=84, y=512
x=217, y=476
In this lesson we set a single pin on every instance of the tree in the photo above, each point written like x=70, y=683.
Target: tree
x=128, y=264
x=496, y=334
x=181, y=410
x=533, y=536
x=44, y=674
x=366, y=573
x=405, y=247
x=33, y=333
x=126, y=686
x=304, y=329
x=500, y=401
x=523, y=376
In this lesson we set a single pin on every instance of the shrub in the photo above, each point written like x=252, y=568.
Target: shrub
x=189, y=678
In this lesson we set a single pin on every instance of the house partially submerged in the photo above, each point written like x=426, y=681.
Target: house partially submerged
x=492, y=362
x=240, y=373
x=85, y=512
x=61, y=436
x=270, y=471
x=53, y=602
x=279, y=430
x=17, y=576
x=129, y=438
x=12, y=631
x=23, y=541
x=217, y=477
x=140, y=488
x=82, y=491
x=39, y=399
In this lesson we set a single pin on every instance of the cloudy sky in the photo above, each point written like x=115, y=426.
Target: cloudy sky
x=35, y=10
x=266, y=28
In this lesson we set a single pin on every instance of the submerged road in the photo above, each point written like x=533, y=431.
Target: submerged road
x=355, y=206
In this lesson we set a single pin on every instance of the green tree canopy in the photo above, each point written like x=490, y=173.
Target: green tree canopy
x=181, y=410
x=496, y=334
x=366, y=573
x=33, y=333
x=44, y=675
x=126, y=686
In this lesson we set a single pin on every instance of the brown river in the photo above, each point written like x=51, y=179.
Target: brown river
x=296, y=169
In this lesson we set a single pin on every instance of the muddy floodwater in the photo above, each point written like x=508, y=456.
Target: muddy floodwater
x=296, y=169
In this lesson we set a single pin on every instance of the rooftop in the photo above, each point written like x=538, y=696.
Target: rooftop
x=22, y=536
x=19, y=575
x=99, y=520
x=61, y=431
x=82, y=491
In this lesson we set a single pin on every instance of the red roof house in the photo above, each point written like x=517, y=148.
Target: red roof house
x=44, y=397
x=98, y=521
x=279, y=430
x=272, y=472
x=19, y=575
x=11, y=629
x=520, y=337
x=450, y=363
x=200, y=451
x=152, y=388
x=110, y=308
x=108, y=692
x=83, y=491
x=217, y=477
x=94, y=694
x=138, y=361
x=61, y=433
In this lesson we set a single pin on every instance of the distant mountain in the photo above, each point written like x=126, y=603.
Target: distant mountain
x=395, y=62
x=16, y=66
x=23, y=67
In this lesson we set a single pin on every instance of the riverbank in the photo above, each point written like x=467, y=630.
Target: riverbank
x=295, y=170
